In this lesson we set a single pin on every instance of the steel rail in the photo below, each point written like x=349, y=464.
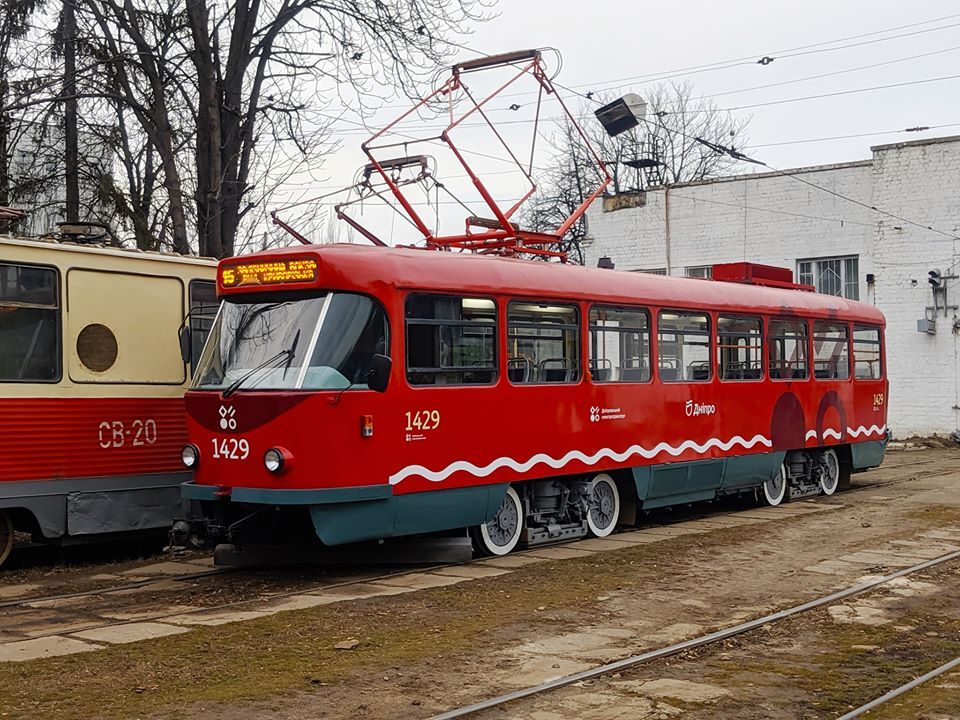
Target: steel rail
x=897, y=692
x=217, y=571
x=133, y=584
x=691, y=644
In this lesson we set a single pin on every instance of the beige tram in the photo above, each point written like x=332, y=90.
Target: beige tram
x=92, y=378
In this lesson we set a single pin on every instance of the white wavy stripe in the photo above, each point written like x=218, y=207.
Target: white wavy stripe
x=835, y=434
x=556, y=464
x=879, y=429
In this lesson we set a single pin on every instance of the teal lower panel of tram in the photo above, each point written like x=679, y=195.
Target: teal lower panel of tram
x=409, y=514
x=345, y=515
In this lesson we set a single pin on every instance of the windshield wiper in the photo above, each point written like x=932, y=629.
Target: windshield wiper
x=284, y=355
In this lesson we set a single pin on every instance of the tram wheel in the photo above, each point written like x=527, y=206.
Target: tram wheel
x=830, y=472
x=501, y=534
x=605, y=507
x=6, y=536
x=776, y=490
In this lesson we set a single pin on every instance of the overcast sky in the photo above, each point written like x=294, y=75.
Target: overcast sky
x=603, y=43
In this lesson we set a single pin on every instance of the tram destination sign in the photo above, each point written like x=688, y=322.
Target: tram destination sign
x=269, y=272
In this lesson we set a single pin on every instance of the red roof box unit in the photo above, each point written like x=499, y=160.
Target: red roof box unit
x=756, y=274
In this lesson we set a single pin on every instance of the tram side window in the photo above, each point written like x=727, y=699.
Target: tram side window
x=866, y=352
x=29, y=324
x=683, y=347
x=203, y=310
x=619, y=345
x=831, y=351
x=451, y=340
x=739, y=348
x=543, y=342
x=787, y=340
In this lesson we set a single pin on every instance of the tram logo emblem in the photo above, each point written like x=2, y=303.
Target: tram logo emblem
x=594, y=413
x=228, y=421
x=693, y=409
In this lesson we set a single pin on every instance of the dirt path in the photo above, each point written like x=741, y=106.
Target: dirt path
x=424, y=652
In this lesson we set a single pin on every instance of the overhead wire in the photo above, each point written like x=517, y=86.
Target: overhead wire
x=613, y=84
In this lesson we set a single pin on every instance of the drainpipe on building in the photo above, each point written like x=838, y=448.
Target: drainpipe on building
x=666, y=224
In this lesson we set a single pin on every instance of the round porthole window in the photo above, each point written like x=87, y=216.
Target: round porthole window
x=97, y=347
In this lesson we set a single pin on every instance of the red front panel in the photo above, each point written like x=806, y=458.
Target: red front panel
x=52, y=438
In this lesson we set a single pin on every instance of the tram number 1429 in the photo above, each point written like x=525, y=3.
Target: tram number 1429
x=231, y=448
x=423, y=420
x=116, y=433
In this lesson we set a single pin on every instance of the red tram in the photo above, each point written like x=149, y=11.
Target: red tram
x=353, y=393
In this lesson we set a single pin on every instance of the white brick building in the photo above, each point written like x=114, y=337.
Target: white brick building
x=843, y=248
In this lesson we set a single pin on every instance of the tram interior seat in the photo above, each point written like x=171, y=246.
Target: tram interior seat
x=555, y=370
x=634, y=374
x=742, y=371
x=601, y=369
x=668, y=374
x=698, y=371
x=519, y=369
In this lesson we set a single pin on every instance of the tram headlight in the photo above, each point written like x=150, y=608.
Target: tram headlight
x=277, y=460
x=190, y=455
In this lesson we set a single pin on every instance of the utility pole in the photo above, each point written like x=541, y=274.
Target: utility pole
x=71, y=165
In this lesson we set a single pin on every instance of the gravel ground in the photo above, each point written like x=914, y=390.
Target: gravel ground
x=420, y=653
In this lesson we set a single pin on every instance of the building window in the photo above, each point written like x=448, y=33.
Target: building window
x=543, y=342
x=652, y=271
x=787, y=341
x=739, y=348
x=831, y=353
x=831, y=276
x=683, y=346
x=29, y=324
x=699, y=271
x=619, y=344
x=866, y=352
x=451, y=340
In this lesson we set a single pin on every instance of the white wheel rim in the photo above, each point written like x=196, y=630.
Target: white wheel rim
x=6, y=536
x=501, y=534
x=829, y=481
x=775, y=488
x=602, y=519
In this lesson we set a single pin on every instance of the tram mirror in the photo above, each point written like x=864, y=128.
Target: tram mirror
x=185, y=343
x=379, y=376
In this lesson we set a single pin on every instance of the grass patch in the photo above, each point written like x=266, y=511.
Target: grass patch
x=293, y=651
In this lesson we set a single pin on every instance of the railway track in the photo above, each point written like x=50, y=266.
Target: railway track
x=192, y=576
x=501, y=701
x=102, y=597
x=902, y=690
x=98, y=616
x=132, y=585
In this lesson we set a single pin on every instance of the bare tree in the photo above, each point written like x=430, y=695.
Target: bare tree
x=14, y=25
x=257, y=63
x=665, y=149
x=210, y=104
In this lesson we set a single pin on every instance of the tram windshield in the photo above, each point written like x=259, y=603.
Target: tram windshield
x=318, y=343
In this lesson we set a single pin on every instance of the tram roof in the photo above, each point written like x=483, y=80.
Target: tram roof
x=366, y=268
x=49, y=244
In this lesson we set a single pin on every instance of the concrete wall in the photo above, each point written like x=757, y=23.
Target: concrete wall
x=777, y=219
